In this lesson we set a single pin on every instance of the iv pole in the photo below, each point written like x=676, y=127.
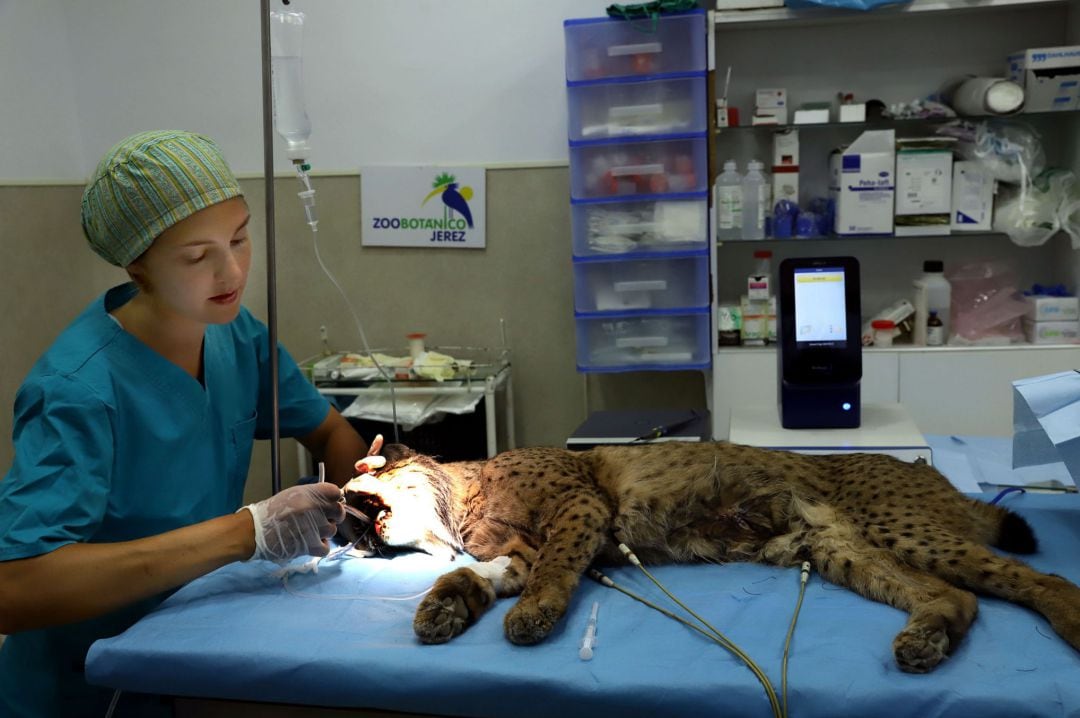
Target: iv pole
x=271, y=264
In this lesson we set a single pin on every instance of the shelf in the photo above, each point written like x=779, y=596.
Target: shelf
x=809, y=16
x=907, y=349
x=889, y=123
x=862, y=237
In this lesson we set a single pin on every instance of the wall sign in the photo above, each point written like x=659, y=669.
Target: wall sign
x=420, y=206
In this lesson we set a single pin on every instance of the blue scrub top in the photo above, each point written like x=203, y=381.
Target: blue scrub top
x=114, y=442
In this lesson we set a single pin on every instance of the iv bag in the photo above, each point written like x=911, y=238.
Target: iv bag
x=290, y=118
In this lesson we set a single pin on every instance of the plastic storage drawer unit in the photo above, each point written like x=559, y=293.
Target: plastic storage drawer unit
x=655, y=165
x=601, y=47
x=661, y=224
x=627, y=107
x=656, y=282
x=637, y=341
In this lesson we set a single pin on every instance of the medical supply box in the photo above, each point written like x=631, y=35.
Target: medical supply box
x=862, y=183
x=972, y=197
x=1052, y=309
x=924, y=169
x=1050, y=77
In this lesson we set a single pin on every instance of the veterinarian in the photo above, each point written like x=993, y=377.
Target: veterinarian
x=133, y=433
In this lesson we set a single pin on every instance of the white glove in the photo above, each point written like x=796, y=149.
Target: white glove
x=297, y=522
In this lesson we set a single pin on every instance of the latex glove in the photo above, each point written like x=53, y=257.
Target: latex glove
x=297, y=521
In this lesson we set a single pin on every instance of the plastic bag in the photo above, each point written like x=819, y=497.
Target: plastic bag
x=987, y=308
x=1032, y=214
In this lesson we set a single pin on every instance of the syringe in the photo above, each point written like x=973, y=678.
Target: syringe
x=589, y=639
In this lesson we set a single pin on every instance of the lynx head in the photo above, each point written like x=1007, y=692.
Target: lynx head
x=408, y=501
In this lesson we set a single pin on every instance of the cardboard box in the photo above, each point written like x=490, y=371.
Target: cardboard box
x=972, y=197
x=770, y=116
x=1050, y=77
x=1043, y=309
x=853, y=113
x=861, y=181
x=771, y=98
x=813, y=113
x=785, y=184
x=923, y=191
x=785, y=148
x=1052, y=332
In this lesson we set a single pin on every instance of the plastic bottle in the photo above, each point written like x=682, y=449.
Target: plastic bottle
x=938, y=294
x=729, y=202
x=883, y=332
x=290, y=118
x=755, y=204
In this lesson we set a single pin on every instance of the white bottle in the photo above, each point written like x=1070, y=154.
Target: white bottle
x=729, y=202
x=938, y=294
x=755, y=206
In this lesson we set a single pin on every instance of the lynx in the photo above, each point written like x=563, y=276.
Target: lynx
x=891, y=531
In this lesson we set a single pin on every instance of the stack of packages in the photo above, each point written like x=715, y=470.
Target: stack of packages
x=1052, y=317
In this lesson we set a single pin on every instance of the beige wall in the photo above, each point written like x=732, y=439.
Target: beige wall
x=456, y=296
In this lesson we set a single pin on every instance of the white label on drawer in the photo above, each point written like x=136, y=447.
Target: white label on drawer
x=624, y=111
x=644, y=285
x=656, y=169
x=640, y=342
x=638, y=49
x=668, y=356
x=635, y=228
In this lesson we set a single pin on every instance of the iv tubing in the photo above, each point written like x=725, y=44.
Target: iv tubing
x=307, y=196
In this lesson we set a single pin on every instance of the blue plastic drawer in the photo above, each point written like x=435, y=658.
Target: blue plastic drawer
x=652, y=166
x=636, y=342
x=602, y=47
x=606, y=227
x=625, y=108
x=662, y=282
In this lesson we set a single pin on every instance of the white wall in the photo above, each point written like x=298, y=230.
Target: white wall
x=387, y=81
x=40, y=138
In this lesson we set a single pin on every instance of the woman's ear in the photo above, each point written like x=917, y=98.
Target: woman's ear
x=137, y=273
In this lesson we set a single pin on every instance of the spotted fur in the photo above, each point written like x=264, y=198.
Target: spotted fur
x=891, y=531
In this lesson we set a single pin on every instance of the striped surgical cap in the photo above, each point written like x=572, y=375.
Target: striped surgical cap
x=146, y=184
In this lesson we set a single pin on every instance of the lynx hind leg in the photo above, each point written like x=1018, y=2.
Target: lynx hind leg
x=980, y=569
x=939, y=614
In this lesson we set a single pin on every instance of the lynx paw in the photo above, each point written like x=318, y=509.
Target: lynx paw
x=918, y=649
x=456, y=600
x=531, y=621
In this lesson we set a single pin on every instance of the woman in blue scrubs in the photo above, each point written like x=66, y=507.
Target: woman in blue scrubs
x=133, y=432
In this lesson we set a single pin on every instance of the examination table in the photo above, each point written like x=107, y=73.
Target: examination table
x=327, y=640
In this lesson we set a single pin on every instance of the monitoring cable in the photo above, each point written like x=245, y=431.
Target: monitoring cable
x=710, y=631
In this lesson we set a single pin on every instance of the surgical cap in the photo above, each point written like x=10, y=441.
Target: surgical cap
x=146, y=184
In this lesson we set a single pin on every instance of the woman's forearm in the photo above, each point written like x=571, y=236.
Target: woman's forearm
x=84, y=580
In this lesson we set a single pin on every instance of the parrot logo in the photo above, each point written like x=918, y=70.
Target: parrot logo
x=454, y=200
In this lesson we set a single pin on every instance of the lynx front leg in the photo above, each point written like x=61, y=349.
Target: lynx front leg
x=576, y=534
x=459, y=598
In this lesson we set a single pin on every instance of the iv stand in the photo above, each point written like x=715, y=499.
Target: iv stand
x=271, y=271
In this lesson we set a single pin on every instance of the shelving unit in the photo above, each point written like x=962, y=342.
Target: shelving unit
x=904, y=52
x=638, y=132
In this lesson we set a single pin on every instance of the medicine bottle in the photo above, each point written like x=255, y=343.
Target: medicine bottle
x=935, y=330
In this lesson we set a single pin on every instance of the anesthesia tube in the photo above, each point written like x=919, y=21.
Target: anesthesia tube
x=290, y=117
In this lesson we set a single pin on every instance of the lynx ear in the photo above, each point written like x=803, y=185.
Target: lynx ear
x=394, y=453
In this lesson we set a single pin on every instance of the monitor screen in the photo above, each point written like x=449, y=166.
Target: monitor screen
x=820, y=310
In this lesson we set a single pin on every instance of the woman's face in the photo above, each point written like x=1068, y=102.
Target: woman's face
x=197, y=268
